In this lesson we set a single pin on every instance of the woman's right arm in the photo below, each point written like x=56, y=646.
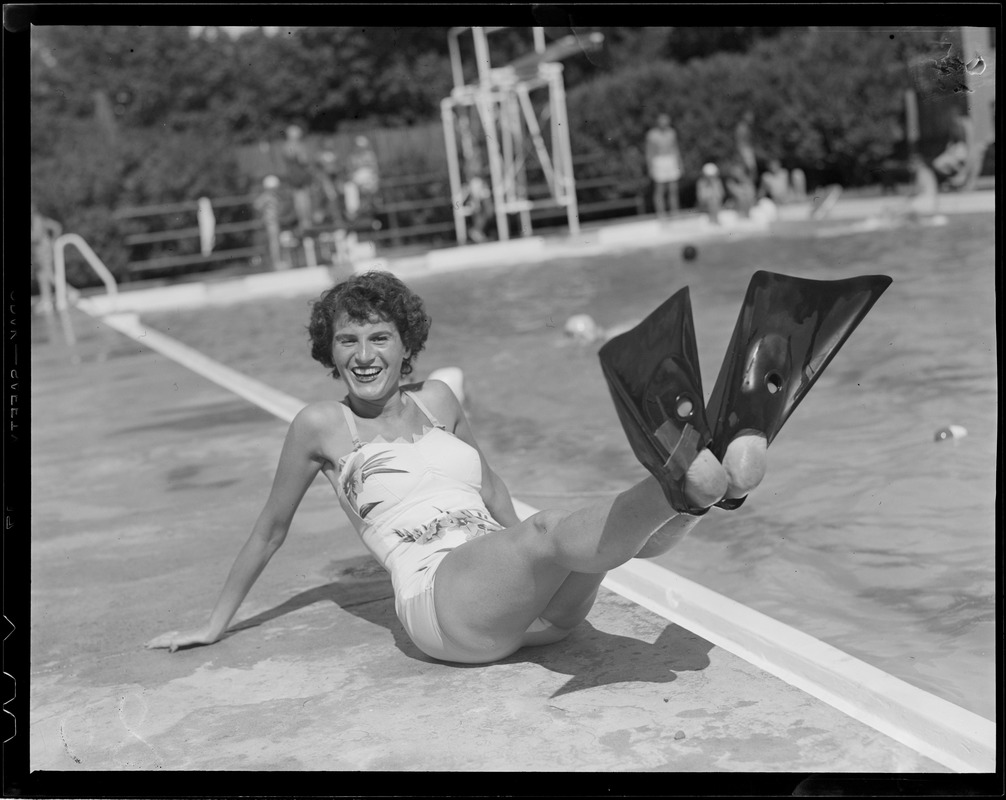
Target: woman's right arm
x=299, y=464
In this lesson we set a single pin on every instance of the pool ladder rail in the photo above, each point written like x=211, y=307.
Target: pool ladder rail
x=59, y=267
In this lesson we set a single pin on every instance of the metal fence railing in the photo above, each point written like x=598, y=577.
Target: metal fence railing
x=408, y=209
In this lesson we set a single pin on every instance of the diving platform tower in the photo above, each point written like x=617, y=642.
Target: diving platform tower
x=494, y=123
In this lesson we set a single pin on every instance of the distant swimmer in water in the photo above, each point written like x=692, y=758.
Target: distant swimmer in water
x=473, y=582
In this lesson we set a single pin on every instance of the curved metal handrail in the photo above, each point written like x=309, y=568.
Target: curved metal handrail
x=59, y=266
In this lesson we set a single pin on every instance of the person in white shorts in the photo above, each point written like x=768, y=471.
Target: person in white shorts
x=663, y=161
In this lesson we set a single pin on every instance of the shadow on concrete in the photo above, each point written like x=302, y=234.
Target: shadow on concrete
x=361, y=587
x=590, y=656
x=593, y=658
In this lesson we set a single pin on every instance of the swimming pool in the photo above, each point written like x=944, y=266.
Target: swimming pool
x=866, y=533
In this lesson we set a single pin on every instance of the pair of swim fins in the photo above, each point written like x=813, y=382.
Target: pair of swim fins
x=788, y=331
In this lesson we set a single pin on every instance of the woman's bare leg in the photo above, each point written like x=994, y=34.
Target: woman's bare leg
x=489, y=590
x=666, y=537
x=658, y=200
x=573, y=600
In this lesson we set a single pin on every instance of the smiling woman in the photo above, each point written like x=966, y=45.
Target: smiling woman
x=377, y=297
x=473, y=582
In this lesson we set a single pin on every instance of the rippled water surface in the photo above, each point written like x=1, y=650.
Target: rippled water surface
x=866, y=533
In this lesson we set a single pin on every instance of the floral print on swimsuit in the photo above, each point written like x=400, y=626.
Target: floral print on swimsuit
x=473, y=521
x=354, y=478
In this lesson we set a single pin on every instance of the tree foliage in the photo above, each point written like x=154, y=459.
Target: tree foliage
x=830, y=102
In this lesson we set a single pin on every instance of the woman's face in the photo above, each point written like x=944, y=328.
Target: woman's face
x=368, y=356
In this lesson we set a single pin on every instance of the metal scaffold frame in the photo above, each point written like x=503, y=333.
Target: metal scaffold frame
x=501, y=102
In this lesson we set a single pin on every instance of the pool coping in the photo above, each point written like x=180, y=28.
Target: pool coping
x=938, y=729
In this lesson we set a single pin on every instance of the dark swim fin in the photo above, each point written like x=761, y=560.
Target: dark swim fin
x=788, y=331
x=653, y=375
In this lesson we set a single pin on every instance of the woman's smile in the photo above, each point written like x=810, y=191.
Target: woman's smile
x=366, y=374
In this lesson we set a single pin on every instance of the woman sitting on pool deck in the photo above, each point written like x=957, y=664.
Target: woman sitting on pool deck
x=473, y=583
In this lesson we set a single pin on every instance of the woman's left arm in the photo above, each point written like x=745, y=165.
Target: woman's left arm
x=495, y=493
x=497, y=498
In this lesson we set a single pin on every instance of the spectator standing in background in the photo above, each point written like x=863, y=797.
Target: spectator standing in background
x=298, y=175
x=709, y=192
x=744, y=136
x=663, y=162
x=797, y=185
x=478, y=199
x=329, y=171
x=363, y=177
x=44, y=232
x=268, y=206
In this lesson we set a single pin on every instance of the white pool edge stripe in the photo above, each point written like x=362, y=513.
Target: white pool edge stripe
x=948, y=734
x=938, y=729
x=275, y=402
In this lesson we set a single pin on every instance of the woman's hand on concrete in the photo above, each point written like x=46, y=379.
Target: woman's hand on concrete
x=175, y=640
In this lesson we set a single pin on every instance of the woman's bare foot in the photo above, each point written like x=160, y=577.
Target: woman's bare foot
x=706, y=480
x=744, y=463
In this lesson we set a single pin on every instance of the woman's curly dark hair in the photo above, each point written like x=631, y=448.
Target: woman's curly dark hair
x=363, y=297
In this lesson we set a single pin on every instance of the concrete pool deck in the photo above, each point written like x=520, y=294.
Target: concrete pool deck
x=317, y=674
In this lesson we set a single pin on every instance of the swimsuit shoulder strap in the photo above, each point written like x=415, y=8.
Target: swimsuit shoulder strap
x=351, y=423
x=425, y=410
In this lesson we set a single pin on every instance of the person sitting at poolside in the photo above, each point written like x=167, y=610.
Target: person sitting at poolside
x=781, y=185
x=473, y=583
x=741, y=189
x=923, y=199
x=955, y=164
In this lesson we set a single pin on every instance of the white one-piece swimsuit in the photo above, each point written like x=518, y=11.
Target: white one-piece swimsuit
x=412, y=502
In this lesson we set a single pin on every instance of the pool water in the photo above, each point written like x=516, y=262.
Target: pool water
x=866, y=533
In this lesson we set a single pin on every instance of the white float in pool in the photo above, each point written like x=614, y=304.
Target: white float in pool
x=951, y=432
x=583, y=328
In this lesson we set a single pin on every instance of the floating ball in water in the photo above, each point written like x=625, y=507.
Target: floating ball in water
x=454, y=378
x=951, y=432
x=583, y=328
x=689, y=253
